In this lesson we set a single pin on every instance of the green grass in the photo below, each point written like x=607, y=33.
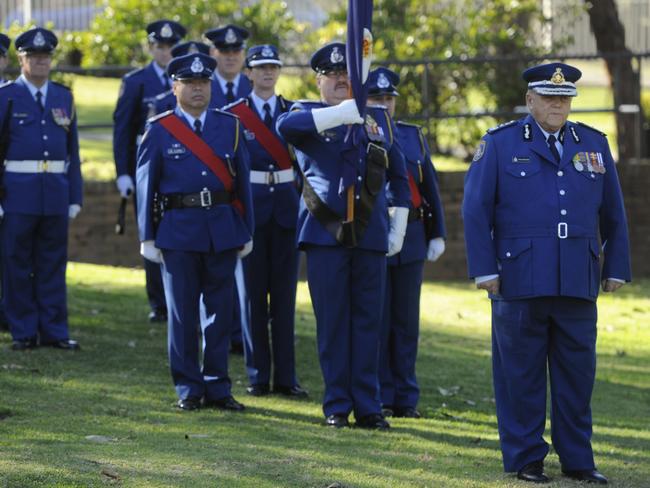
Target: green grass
x=119, y=386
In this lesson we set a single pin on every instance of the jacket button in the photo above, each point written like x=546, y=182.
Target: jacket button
x=508, y=254
x=560, y=173
x=562, y=192
x=563, y=212
x=523, y=173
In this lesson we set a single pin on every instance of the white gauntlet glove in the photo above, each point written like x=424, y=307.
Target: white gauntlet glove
x=399, y=217
x=246, y=250
x=2, y=212
x=73, y=210
x=345, y=112
x=125, y=185
x=435, y=249
x=149, y=250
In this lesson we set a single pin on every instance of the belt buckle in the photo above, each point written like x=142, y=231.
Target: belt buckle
x=43, y=165
x=562, y=230
x=206, y=198
x=270, y=178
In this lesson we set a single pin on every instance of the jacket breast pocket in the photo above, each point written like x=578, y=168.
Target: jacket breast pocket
x=523, y=170
x=516, y=263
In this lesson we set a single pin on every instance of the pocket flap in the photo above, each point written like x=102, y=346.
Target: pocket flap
x=512, y=248
x=523, y=170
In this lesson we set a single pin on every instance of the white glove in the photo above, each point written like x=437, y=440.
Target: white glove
x=73, y=210
x=435, y=249
x=345, y=112
x=2, y=212
x=246, y=250
x=399, y=217
x=124, y=185
x=149, y=250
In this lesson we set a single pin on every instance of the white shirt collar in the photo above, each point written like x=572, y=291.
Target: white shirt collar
x=32, y=89
x=190, y=118
x=559, y=146
x=259, y=103
x=222, y=83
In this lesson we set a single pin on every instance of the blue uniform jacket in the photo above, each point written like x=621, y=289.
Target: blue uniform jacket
x=51, y=135
x=164, y=102
x=218, y=98
x=166, y=166
x=418, y=163
x=131, y=114
x=519, y=204
x=279, y=201
x=319, y=157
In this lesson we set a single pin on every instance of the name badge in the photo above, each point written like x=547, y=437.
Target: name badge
x=176, y=149
x=520, y=159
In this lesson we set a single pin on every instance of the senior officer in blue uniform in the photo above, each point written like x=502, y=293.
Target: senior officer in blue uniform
x=193, y=162
x=346, y=261
x=228, y=82
x=5, y=42
x=136, y=102
x=271, y=269
x=42, y=191
x=537, y=194
x=399, y=339
x=167, y=100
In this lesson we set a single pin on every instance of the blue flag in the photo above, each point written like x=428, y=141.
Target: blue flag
x=358, y=53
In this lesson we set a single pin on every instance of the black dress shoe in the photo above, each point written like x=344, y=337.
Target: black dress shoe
x=24, y=344
x=387, y=410
x=295, y=391
x=226, y=403
x=588, y=475
x=189, y=403
x=338, y=420
x=158, y=316
x=67, y=344
x=237, y=348
x=533, y=472
x=258, y=390
x=374, y=421
x=406, y=413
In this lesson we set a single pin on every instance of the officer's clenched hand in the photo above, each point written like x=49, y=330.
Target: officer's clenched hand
x=73, y=210
x=435, y=249
x=246, y=250
x=149, y=250
x=125, y=185
x=492, y=286
x=611, y=285
x=345, y=112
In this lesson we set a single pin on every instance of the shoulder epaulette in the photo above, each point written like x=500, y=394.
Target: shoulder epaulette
x=61, y=85
x=225, y=108
x=378, y=106
x=581, y=124
x=159, y=116
x=133, y=73
x=163, y=95
x=408, y=124
x=6, y=84
x=284, y=103
x=492, y=130
x=222, y=111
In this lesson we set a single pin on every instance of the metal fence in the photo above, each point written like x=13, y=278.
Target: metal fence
x=64, y=15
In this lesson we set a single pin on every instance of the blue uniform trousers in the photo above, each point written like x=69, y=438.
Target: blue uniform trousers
x=192, y=279
x=400, y=332
x=347, y=289
x=35, y=251
x=527, y=337
x=272, y=276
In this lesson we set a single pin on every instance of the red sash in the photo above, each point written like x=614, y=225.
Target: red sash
x=265, y=136
x=416, y=198
x=202, y=151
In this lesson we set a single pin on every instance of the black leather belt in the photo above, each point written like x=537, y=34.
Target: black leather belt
x=415, y=214
x=205, y=198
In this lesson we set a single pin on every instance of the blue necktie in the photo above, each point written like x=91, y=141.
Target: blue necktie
x=197, y=127
x=551, y=144
x=230, y=94
x=268, y=119
x=39, y=100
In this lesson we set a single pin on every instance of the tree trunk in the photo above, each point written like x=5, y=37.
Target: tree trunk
x=610, y=39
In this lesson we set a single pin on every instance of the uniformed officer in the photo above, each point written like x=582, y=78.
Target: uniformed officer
x=542, y=202
x=424, y=240
x=41, y=192
x=135, y=104
x=272, y=267
x=346, y=244
x=167, y=100
x=193, y=163
x=229, y=84
x=5, y=42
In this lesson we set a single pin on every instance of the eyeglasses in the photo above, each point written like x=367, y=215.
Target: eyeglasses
x=336, y=73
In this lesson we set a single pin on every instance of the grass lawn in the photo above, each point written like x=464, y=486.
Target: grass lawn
x=118, y=387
